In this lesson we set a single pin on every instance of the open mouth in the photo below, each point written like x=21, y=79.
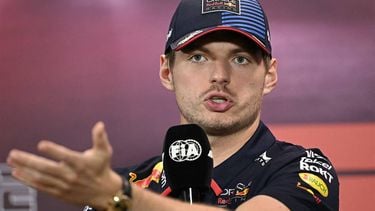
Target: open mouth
x=218, y=99
x=218, y=103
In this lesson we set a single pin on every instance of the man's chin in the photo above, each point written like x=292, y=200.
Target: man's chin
x=225, y=126
x=220, y=129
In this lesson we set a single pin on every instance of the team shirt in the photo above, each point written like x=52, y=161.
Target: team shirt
x=302, y=179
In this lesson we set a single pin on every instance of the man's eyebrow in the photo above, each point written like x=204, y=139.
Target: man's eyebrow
x=242, y=50
x=248, y=49
x=193, y=47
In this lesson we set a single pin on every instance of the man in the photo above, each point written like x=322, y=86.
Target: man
x=218, y=63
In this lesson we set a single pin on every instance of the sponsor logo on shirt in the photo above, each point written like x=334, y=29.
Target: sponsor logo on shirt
x=315, y=182
x=233, y=195
x=317, y=199
x=263, y=159
x=314, y=162
x=153, y=177
x=312, y=154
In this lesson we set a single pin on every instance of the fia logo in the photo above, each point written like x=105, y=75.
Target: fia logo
x=185, y=150
x=263, y=159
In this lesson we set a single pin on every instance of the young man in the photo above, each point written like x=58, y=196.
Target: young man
x=218, y=63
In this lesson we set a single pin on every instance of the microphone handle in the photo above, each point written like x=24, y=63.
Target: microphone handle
x=191, y=195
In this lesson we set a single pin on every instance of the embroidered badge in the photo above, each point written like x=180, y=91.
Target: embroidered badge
x=232, y=6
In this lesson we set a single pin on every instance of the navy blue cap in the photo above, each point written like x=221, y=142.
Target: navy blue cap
x=196, y=18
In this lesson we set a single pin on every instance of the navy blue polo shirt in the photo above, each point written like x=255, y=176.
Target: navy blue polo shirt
x=302, y=179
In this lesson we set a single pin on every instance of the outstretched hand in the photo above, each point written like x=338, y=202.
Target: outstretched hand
x=83, y=178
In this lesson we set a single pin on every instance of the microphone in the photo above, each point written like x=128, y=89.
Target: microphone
x=187, y=161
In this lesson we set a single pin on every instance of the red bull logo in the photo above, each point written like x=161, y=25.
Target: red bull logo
x=153, y=177
x=317, y=199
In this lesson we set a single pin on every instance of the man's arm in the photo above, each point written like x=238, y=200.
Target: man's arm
x=85, y=178
x=75, y=177
x=146, y=200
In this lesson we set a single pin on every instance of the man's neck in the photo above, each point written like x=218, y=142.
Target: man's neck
x=225, y=146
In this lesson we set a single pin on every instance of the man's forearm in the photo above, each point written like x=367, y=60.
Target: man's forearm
x=146, y=200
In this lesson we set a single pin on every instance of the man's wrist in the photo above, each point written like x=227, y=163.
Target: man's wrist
x=121, y=201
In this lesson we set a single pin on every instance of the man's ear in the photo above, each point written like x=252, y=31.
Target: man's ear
x=271, y=77
x=165, y=73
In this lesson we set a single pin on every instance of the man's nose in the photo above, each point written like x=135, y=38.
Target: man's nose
x=220, y=73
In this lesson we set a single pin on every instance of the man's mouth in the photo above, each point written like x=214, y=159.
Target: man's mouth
x=218, y=99
x=218, y=103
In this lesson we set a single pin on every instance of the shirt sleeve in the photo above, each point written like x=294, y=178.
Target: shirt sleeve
x=303, y=181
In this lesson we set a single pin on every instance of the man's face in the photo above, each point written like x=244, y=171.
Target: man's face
x=218, y=83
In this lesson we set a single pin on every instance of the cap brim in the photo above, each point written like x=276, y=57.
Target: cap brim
x=188, y=39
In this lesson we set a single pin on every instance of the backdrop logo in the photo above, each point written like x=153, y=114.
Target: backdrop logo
x=185, y=150
x=15, y=196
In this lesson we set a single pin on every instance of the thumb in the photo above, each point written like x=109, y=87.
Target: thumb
x=100, y=138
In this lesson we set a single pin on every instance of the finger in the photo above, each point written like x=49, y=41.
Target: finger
x=100, y=138
x=34, y=178
x=39, y=181
x=19, y=159
x=59, y=152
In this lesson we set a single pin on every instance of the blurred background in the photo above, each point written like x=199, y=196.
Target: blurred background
x=65, y=65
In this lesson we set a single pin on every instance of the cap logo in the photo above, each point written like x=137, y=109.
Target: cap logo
x=232, y=6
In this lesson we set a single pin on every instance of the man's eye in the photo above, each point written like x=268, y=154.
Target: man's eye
x=197, y=58
x=241, y=60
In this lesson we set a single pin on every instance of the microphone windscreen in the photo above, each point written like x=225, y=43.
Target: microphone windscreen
x=187, y=158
